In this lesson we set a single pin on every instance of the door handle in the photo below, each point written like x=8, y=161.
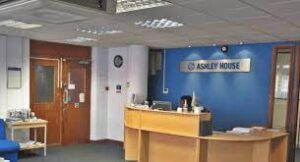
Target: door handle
x=66, y=96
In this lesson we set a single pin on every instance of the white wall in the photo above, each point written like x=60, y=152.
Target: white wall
x=99, y=94
x=116, y=101
x=132, y=76
x=138, y=72
x=3, y=89
x=14, y=52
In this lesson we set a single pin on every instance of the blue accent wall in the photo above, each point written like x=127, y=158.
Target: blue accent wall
x=235, y=99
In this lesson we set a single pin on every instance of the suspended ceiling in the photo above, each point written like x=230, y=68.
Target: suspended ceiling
x=206, y=22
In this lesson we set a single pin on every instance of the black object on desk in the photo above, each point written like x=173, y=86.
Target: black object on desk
x=188, y=100
x=205, y=128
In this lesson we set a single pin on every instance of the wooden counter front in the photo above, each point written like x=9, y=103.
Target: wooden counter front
x=160, y=136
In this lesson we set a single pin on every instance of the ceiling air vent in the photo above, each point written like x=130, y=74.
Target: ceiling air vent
x=119, y=6
x=103, y=5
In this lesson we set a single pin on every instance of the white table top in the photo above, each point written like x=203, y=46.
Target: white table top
x=3, y=160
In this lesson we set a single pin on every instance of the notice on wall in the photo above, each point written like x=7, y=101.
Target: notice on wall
x=118, y=88
x=224, y=65
x=81, y=97
x=14, y=76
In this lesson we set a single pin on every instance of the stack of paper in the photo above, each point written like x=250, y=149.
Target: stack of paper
x=240, y=130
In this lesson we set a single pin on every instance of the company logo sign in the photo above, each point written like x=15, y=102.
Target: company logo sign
x=191, y=66
x=225, y=65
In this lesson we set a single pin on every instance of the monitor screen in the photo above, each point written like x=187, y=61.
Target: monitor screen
x=163, y=105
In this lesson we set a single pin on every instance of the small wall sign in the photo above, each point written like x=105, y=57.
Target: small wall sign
x=225, y=65
x=14, y=78
x=118, y=88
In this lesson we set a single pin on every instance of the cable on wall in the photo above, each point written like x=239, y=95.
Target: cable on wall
x=165, y=90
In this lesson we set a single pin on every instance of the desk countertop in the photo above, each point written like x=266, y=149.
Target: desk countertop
x=259, y=136
x=161, y=111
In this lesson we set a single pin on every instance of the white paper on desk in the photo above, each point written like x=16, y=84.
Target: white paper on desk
x=241, y=130
x=81, y=97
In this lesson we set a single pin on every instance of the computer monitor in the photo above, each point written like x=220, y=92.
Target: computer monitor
x=163, y=105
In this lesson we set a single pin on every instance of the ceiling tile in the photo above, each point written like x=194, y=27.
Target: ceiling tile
x=215, y=5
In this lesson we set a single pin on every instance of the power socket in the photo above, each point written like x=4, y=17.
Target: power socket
x=166, y=91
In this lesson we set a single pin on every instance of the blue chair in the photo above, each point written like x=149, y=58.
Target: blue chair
x=8, y=149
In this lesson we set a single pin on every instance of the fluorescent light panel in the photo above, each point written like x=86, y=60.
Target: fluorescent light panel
x=99, y=32
x=18, y=24
x=134, y=5
x=159, y=24
x=81, y=39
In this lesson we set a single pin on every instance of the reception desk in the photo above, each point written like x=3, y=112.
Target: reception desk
x=163, y=136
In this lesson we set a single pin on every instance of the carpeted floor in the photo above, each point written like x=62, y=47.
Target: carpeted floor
x=99, y=152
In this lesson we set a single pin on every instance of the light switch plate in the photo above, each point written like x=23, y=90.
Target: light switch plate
x=166, y=91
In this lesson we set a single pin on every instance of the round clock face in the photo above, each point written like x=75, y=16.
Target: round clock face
x=118, y=61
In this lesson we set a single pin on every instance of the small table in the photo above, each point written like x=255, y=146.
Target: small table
x=31, y=124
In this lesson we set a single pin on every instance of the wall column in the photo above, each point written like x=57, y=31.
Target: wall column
x=3, y=83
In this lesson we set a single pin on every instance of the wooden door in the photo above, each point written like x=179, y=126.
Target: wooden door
x=45, y=95
x=76, y=101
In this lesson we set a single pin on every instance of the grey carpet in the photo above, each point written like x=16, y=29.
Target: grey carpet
x=99, y=152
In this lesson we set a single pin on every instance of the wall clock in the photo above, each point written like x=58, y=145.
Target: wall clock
x=118, y=61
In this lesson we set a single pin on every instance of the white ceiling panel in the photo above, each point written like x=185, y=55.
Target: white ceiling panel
x=293, y=18
x=258, y=20
x=200, y=19
x=205, y=22
x=283, y=8
x=215, y=5
x=242, y=13
x=170, y=12
x=55, y=16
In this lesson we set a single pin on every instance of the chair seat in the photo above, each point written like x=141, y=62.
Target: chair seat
x=9, y=146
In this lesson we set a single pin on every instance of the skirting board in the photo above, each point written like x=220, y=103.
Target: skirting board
x=108, y=141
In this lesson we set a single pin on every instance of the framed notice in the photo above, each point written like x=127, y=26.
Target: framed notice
x=14, y=78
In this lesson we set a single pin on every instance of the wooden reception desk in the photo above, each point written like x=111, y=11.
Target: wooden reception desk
x=161, y=136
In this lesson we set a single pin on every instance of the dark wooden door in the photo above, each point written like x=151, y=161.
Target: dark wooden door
x=45, y=96
x=76, y=101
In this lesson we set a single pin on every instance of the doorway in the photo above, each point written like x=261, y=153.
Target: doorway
x=281, y=86
x=288, y=107
x=60, y=90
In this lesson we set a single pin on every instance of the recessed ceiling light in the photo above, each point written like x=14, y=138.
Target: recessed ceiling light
x=214, y=45
x=81, y=39
x=100, y=32
x=241, y=43
x=134, y=5
x=159, y=24
x=190, y=46
x=19, y=24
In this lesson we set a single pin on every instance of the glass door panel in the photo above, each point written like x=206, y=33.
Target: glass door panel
x=44, y=83
x=281, y=92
